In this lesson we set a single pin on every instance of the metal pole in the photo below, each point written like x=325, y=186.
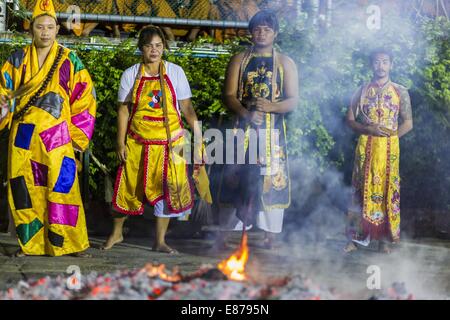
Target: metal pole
x=85, y=177
x=154, y=20
x=329, y=12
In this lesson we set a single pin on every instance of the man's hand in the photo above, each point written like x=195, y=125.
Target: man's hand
x=196, y=172
x=3, y=101
x=122, y=152
x=198, y=153
x=376, y=130
x=3, y=107
x=263, y=105
x=256, y=117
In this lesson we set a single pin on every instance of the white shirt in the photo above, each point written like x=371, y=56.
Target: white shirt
x=174, y=72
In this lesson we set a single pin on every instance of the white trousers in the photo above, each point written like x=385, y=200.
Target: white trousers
x=269, y=221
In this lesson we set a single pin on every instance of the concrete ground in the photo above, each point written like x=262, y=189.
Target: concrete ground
x=422, y=265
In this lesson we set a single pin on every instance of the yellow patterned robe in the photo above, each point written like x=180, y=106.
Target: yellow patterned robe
x=43, y=190
x=375, y=208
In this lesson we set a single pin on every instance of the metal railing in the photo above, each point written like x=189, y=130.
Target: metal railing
x=153, y=20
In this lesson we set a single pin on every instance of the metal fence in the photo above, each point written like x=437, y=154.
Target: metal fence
x=221, y=13
x=176, y=10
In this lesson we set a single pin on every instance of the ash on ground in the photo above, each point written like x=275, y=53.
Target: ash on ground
x=153, y=282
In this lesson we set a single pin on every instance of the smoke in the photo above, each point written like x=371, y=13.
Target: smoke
x=332, y=64
x=314, y=225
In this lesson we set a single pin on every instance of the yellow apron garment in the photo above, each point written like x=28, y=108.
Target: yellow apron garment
x=151, y=172
x=376, y=176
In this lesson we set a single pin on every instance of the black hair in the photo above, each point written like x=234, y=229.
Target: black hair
x=264, y=18
x=34, y=19
x=147, y=33
x=377, y=51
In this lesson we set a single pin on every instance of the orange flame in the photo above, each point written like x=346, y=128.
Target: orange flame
x=234, y=266
x=154, y=271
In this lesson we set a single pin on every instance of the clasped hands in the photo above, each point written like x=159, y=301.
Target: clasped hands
x=379, y=131
x=258, y=107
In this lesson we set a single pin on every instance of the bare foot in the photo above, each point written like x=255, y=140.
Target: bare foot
x=19, y=254
x=385, y=248
x=221, y=245
x=268, y=244
x=82, y=254
x=164, y=248
x=112, y=240
x=350, y=247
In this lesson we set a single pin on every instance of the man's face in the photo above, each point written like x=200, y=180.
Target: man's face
x=153, y=51
x=381, y=65
x=44, y=31
x=263, y=36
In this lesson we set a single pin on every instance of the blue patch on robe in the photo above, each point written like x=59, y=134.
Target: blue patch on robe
x=16, y=59
x=9, y=81
x=66, y=176
x=24, y=135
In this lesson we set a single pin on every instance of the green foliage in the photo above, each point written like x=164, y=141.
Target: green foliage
x=332, y=64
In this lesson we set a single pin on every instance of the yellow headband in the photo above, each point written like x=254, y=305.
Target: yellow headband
x=43, y=7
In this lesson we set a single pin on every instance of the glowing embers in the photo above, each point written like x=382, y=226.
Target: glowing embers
x=159, y=271
x=26, y=231
x=64, y=214
x=234, y=266
x=56, y=136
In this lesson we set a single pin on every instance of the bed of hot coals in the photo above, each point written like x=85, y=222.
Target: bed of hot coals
x=154, y=282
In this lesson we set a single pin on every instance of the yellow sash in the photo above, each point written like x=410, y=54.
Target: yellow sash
x=32, y=80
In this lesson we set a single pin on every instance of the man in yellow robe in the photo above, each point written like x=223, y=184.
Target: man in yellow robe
x=48, y=101
x=381, y=113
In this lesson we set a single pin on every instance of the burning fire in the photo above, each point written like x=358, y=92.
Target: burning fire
x=234, y=266
x=154, y=271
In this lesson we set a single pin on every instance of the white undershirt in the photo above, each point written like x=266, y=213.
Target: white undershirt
x=174, y=72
